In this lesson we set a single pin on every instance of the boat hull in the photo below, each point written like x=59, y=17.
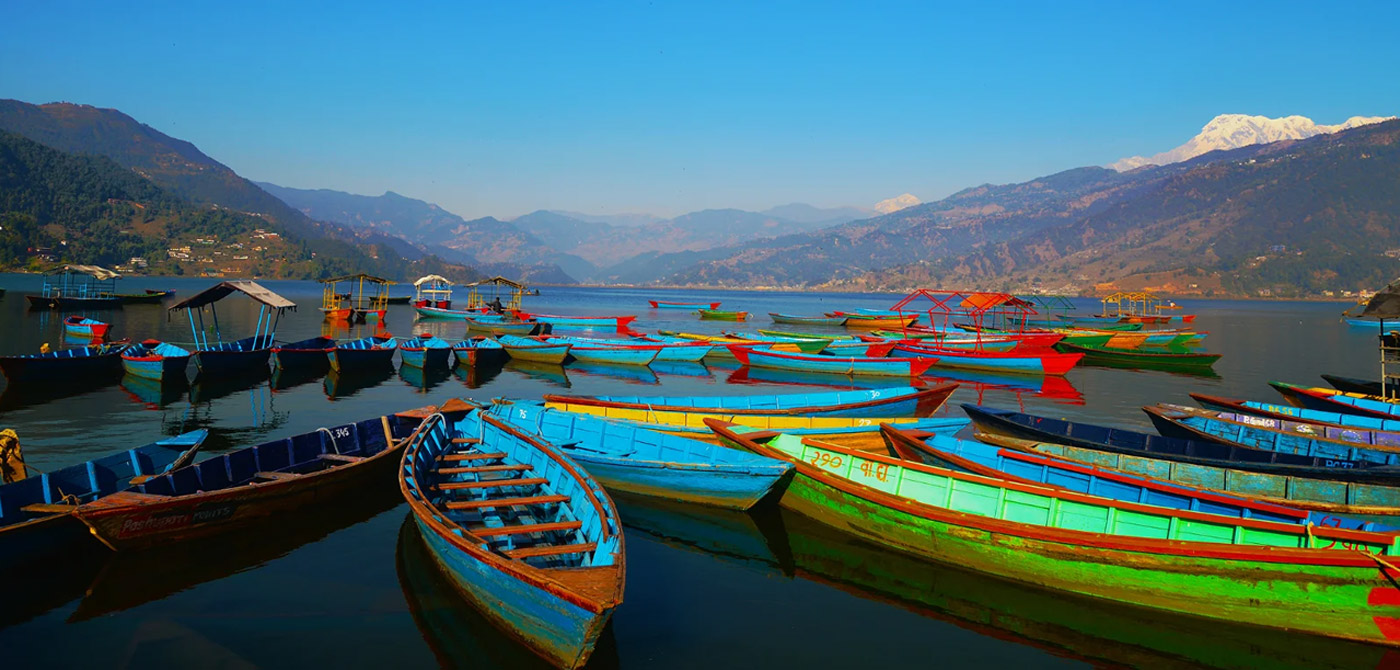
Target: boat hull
x=807, y=320
x=41, y=302
x=430, y=357
x=214, y=362
x=156, y=367
x=904, y=401
x=641, y=355
x=1007, y=363
x=661, y=304
x=41, y=369
x=352, y=360
x=835, y=365
x=721, y=315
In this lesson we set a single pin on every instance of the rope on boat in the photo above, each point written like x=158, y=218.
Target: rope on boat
x=334, y=444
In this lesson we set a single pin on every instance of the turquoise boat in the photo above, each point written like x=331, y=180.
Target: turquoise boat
x=425, y=351
x=36, y=513
x=475, y=351
x=611, y=353
x=519, y=528
x=153, y=359
x=1329, y=400
x=1287, y=437
x=1290, y=413
x=837, y=365
x=894, y=401
x=646, y=462
x=793, y=319
x=366, y=353
x=1304, y=579
x=946, y=451
x=676, y=349
x=1043, y=363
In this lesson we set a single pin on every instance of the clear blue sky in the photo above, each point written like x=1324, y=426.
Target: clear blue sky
x=502, y=108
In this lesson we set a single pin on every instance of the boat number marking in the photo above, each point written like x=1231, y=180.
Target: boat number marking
x=343, y=431
x=877, y=470
x=823, y=459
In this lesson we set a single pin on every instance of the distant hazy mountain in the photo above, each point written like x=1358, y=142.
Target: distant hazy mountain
x=610, y=219
x=1232, y=131
x=391, y=213
x=804, y=213
x=895, y=204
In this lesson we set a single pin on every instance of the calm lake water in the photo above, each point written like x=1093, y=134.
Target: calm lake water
x=705, y=588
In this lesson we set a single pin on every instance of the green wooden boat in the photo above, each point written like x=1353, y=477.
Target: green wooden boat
x=722, y=315
x=806, y=336
x=1158, y=359
x=1321, y=581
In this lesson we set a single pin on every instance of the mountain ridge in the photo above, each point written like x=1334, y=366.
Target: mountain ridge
x=1233, y=131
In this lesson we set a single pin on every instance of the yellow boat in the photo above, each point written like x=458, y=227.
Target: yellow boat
x=723, y=340
x=854, y=432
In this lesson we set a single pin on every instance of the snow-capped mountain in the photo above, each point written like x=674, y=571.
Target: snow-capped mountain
x=896, y=203
x=1232, y=131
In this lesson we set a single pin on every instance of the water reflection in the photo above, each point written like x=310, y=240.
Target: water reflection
x=424, y=380
x=130, y=579
x=341, y=384
x=458, y=634
x=752, y=540
x=479, y=375
x=545, y=372
x=1066, y=624
x=287, y=379
x=154, y=393
x=632, y=374
x=30, y=394
x=680, y=369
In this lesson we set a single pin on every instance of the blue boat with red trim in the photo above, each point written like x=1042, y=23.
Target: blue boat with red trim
x=82, y=326
x=366, y=353
x=238, y=357
x=309, y=354
x=71, y=365
x=153, y=359
x=425, y=351
x=477, y=350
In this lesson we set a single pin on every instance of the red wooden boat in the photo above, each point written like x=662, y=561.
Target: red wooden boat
x=1015, y=362
x=618, y=322
x=664, y=304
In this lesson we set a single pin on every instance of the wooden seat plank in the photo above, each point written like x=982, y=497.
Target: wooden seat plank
x=342, y=458
x=552, y=550
x=466, y=440
x=507, y=502
x=525, y=528
x=48, y=508
x=471, y=456
x=276, y=475
x=491, y=483
x=522, y=467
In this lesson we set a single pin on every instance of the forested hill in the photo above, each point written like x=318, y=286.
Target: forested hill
x=185, y=174
x=89, y=209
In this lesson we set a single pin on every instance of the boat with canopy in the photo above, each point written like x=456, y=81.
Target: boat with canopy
x=219, y=357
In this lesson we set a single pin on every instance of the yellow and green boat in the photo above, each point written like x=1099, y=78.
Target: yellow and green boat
x=1305, y=579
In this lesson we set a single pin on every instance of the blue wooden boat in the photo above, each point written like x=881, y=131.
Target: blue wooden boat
x=996, y=422
x=987, y=460
x=36, y=513
x=1329, y=400
x=1289, y=437
x=68, y=366
x=431, y=312
x=534, y=349
x=507, y=327
x=425, y=351
x=1365, y=323
x=237, y=357
x=366, y=353
x=478, y=350
x=266, y=483
x=1364, y=386
x=676, y=349
x=894, y=401
x=1031, y=363
x=630, y=458
x=1291, y=413
x=77, y=287
x=838, y=365
x=312, y=354
x=522, y=531
x=612, y=353
x=807, y=320
x=153, y=359
x=663, y=304
x=84, y=327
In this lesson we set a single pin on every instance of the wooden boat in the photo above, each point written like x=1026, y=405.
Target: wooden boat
x=1361, y=323
x=834, y=337
x=74, y=365
x=310, y=354
x=807, y=320
x=946, y=451
x=36, y=512
x=1291, y=437
x=995, y=422
x=858, y=433
x=508, y=327
x=645, y=462
x=810, y=345
x=77, y=287
x=1163, y=359
x=145, y=298
x=522, y=531
x=1268, y=574
x=558, y=321
x=871, y=322
x=613, y=354
x=860, y=349
x=1291, y=413
x=239, y=356
x=164, y=293
x=1011, y=362
x=425, y=351
x=366, y=353
x=398, y=299
x=259, y=484
x=83, y=327
x=477, y=350
x=662, y=304
x=895, y=401
x=431, y=311
x=806, y=346
x=1362, y=386
x=534, y=349
x=153, y=359
x=722, y=315
x=838, y=365
x=675, y=350
x=1329, y=400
